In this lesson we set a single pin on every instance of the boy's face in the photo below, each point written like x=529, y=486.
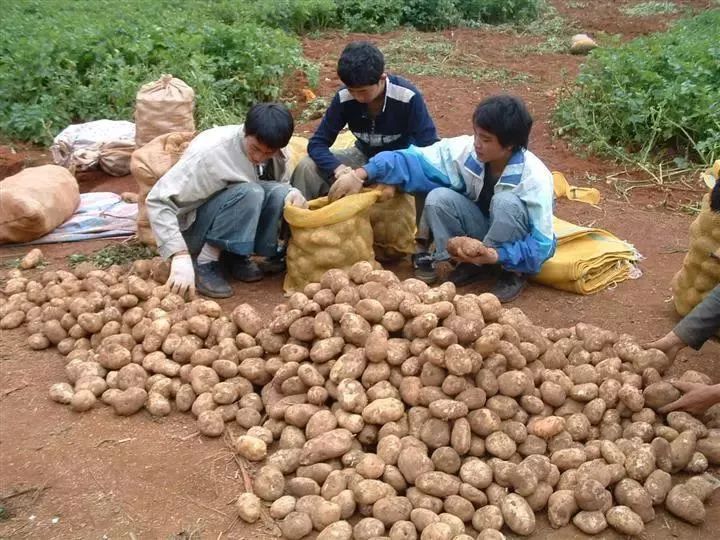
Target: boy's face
x=257, y=151
x=488, y=148
x=371, y=92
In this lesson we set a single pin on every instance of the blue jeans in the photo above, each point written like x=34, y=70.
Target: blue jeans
x=449, y=214
x=243, y=218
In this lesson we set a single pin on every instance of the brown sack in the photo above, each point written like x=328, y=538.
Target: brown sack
x=35, y=201
x=115, y=158
x=147, y=165
x=163, y=106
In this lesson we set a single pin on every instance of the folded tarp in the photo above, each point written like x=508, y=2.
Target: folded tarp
x=588, y=260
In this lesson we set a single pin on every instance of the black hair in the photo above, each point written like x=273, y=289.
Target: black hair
x=271, y=123
x=715, y=197
x=507, y=118
x=360, y=64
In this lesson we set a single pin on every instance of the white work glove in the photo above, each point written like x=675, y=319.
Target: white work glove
x=347, y=183
x=295, y=198
x=182, y=275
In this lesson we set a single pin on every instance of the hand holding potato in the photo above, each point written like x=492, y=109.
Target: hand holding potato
x=697, y=399
x=386, y=192
x=471, y=250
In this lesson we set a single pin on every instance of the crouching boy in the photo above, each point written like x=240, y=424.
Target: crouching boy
x=488, y=187
x=225, y=194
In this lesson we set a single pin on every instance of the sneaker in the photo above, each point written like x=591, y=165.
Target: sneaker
x=509, y=286
x=243, y=268
x=209, y=281
x=424, y=266
x=272, y=265
x=466, y=273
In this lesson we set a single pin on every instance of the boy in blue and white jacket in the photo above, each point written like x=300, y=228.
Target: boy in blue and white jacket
x=384, y=112
x=488, y=187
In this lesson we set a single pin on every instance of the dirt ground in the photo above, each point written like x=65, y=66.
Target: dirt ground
x=95, y=475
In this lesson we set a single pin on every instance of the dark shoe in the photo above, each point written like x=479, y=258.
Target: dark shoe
x=243, y=268
x=209, y=281
x=424, y=266
x=272, y=265
x=466, y=273
x=509, y=286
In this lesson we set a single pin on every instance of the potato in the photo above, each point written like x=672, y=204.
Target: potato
x=368, y=528
x=282, y=506
x=157, y=404
x=31, y=259
x=403, y=530
x=251, y=448
x=438, y=484
x=590, y=522
x=561, y=508
x=624, y=520
x=249, y=507
x=591, y=495
x=518, y=515
x=437, y=531
x=38, y=342
x=131, y=375
x=685, y=505
x=269, y=483
x=413, y=462
x=82, y=400
x=392, y=509
x=329, y=445
x=247, y=319
x=355, y=329
x=384, y=410
x=129, y=401
x=211, y=424
x=15, y=319
x=340, y=530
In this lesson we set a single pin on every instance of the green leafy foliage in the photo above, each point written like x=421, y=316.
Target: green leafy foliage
x=64, y=62
x=300, y=16
x=646, y=9
x=497, y=11
x=370, y=15
x=659, y=93
x=121, y=253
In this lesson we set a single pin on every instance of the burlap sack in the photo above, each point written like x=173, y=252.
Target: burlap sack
x=35, y=201
x=700, y=272
x=393, y=224
x=163, y=106
x=328, y=235
x=115, y=157
x=147, y=165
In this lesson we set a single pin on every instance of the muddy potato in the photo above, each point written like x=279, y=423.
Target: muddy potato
x=499, y=444
x=384, y=410
x=624, y=520
x=413, y=462
x=251, y=448
x=269, y=483
x=368, y=528
x=403, y=530
x=329, y=445
x=61, y=393
x=129, y=401
x=249, y=507
x=340, y=530
x=561, y=507
x=518, y=515
x=282, y=506
x=437, y=531
x=590, y=522
x=685, y=505
x=438, y=484
x=392, y=509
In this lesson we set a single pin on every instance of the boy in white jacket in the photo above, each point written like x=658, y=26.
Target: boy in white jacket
x=225, y=194
x=488, y=187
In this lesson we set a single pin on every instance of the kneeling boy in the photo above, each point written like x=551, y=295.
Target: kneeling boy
x=489, y=187
x=226, y=193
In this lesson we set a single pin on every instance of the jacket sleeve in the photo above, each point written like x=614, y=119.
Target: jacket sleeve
x=186, y=183
x=324, y=137
x=404, y=169
x=528, y=254
x=423, y=131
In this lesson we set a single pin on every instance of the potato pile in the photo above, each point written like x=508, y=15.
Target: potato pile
x=700, y=272
x=428, y=413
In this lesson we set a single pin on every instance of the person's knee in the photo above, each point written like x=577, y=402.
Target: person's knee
x=277, y=192
x=439, y=197
x=507, y=202
x=245, y=193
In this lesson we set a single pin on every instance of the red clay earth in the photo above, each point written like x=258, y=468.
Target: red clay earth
x=95, y=475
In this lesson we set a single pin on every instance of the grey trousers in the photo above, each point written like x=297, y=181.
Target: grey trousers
x=449, y=213
x=307, y=178
x=702, y=322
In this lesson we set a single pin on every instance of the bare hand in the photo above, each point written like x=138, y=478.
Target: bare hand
x=474, y=252
x=698, y=397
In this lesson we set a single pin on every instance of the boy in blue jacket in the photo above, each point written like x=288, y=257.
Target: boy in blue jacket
x=384, y=112
x=488, y=187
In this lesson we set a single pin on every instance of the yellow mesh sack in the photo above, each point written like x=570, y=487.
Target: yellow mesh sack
x=328, y=235
x=394, y=228
x=700, y=272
